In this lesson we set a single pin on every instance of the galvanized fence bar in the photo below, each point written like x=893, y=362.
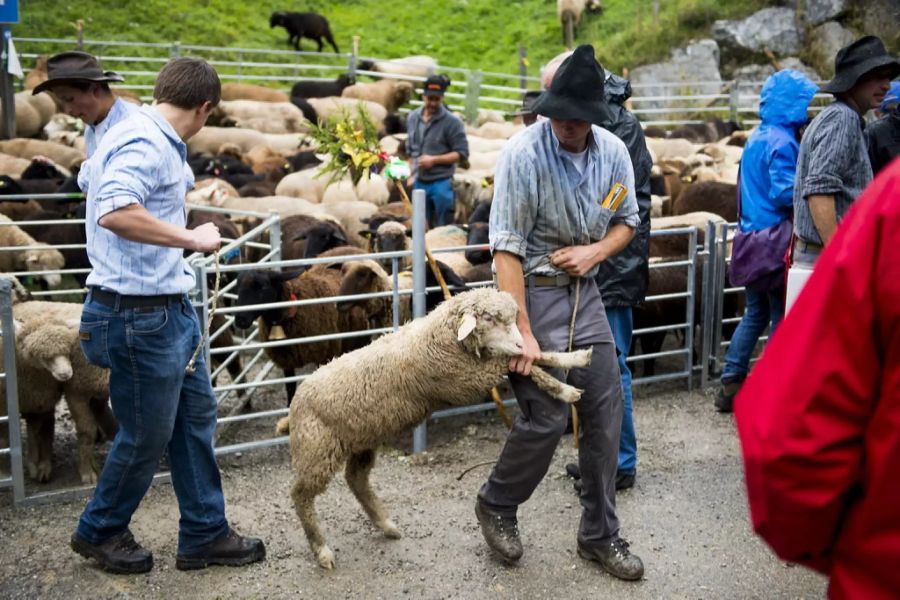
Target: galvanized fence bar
x=16, y=480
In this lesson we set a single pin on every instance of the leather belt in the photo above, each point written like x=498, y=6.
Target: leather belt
x=113, y=300
x=551, y=280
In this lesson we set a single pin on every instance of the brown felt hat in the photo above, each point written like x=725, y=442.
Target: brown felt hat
x=69, y=67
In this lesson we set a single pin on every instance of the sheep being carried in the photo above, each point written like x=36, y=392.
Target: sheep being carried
x=343, y=411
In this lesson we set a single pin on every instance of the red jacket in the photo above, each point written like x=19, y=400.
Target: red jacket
x=819, y=417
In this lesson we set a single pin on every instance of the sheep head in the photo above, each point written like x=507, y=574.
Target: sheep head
x=45, y=260
x=486, y=323
x=261, y=287
x=48, y=345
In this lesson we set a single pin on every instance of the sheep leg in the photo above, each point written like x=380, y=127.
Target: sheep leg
x=40, y=445
x=359, y=466
x=85, y=434
x=316, y=456
x=553, y=386
x=290, y=386
x=107, y=426
x=566, y=360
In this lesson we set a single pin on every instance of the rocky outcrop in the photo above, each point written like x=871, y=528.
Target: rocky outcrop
x=824, y=43
x=699, y=62
x=816, y=12
x=775, y=29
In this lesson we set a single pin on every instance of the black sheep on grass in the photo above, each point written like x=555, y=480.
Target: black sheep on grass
x=312, y=26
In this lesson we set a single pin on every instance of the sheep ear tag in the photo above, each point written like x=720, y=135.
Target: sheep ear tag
x=292, y=310
x=466, y=326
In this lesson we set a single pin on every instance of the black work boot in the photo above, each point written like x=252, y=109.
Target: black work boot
x=624, y=480
x=119, y=554
x=614, y=557
x=231, y=549
x=725, y=398
x=501, y=533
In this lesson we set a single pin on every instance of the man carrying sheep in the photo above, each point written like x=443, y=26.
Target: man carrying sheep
x=138, y=322
x=82, y=87
x=436, y=142
x=551, y=225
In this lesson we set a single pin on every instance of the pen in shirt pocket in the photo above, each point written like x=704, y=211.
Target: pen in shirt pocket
x=615, y=196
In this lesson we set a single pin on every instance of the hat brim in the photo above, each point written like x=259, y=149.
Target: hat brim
x=553, y=106
x=843, y=82
x=108, y=77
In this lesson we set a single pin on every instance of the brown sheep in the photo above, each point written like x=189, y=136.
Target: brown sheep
x=708, y=196
x=58, y=153
x=247, y=91
x=389, y=93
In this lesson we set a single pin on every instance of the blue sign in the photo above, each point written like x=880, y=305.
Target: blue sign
x=9, y=11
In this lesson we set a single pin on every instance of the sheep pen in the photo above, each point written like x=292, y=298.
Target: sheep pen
x=345, y=409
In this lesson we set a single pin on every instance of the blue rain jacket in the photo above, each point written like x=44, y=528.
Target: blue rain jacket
x=769, y=160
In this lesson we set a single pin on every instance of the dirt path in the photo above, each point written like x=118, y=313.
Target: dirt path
x=686, y=518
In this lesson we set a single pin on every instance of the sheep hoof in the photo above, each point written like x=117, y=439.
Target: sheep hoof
x=390, y=530
x=42, y=472
x=326, y=558
x=582, y=358
x=569, y=394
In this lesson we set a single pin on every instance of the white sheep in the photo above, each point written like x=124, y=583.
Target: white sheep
x=303, y=184
x=43, y=258
x=420, y=65
x=267, y=117
x=374, y=189
x=47, y=343
x=333, y=106
x=211, y=139
x=29, y=148
x=345, y=409
x=350, y=214
x=448, y=236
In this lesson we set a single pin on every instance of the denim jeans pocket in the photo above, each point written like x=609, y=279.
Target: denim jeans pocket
x=149, y=322
x=93, y=337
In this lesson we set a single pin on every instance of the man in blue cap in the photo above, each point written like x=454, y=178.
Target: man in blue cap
x=436, y=141
x=553, y=221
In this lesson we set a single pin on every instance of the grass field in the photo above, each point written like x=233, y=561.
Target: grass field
x=483, y=34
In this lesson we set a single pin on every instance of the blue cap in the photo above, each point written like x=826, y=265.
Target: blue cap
x=892, y=97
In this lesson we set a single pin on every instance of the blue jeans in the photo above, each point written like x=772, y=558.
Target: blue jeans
x=762, y=309
x=439, y=201
x=621, y=323
x=159, y=407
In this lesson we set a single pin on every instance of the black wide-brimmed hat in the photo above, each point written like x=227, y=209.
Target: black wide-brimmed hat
x=852, y=62
x=576, y=91
x=68, y=67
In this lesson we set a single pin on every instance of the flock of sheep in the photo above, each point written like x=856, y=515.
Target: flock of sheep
x=255, y=155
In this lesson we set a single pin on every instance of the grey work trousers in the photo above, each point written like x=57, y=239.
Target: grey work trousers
x=531, y=443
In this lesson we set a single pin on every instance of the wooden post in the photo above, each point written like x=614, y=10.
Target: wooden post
x=523, y=68
x=7, y=94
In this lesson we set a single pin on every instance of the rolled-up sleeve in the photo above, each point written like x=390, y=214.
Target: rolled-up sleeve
x=514, y=207
x=828, y=158
x=130, y=172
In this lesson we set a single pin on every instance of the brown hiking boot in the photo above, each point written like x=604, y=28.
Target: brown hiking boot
x=231, y=549
x=119, y=554
x=501, y=533
x=614, y=557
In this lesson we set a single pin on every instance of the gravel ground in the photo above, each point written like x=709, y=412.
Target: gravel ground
x=686, y=518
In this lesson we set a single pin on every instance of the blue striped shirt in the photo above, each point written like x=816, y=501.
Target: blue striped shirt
x=94, y=133
x=140, y=160
x=542, y=202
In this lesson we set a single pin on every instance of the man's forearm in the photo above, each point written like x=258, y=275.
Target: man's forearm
x=824, y=216
x=617, y=237
x=511, y=278
x=134, y=223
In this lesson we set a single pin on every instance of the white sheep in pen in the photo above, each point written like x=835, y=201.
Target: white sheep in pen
x=343, y=411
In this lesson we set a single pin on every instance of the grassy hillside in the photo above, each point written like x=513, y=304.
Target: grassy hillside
x=481, y=34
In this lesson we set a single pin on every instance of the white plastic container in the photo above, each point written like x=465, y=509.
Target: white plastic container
x=796, y=279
